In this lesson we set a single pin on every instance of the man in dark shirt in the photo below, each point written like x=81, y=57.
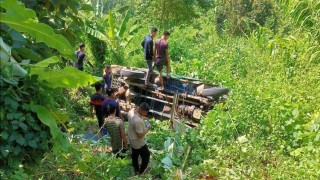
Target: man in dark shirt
x=81, y=56
x=96, y=103
x=107, y=78
x=147, y=45
x=111, y=100
x=162, y=55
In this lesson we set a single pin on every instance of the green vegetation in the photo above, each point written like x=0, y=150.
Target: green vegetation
x=267, y=52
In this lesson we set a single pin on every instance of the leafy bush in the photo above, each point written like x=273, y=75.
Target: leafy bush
x=24, y=137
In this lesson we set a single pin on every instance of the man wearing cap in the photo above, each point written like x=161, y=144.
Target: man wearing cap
x=137, y=130
x=147, y=45
x=81, y=56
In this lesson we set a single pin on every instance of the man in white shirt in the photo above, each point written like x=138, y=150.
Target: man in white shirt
x=137, y=130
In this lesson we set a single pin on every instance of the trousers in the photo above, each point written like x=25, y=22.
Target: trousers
x=144, y=153
x=150, y=69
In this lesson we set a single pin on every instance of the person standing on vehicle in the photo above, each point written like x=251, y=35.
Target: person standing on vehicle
x=147, y=45
x=116, y=130
x=81, y=56
x=162, y=55
x=96, y=103
x=107, y=77
x=137, y=131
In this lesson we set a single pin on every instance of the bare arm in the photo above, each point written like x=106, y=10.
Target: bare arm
x=141, y=135
x=168, y=62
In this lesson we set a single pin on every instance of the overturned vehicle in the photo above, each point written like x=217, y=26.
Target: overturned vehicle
x=182, y=99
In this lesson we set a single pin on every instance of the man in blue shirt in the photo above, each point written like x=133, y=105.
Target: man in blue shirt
x=81, y=56
x=147, y=45
x=111, y=100
x=107, y=78
x=96, y=103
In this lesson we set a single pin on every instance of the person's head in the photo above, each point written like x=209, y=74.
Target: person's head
x=166, y=35
x=81, y=47
x=98, y=87
x=111, y=93
x=153, y=32
x=143, y=109
x=111, y=109
x=107, y=69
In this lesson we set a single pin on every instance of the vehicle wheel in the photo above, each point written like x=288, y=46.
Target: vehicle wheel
x=215, y=92
x=132, y=73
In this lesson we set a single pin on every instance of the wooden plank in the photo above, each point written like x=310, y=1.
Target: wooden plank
x=155, y=99
x=173, y=109
x=172, y=97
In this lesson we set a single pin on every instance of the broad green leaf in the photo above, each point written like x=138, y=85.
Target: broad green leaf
x=28, y=54
x=6, y=50
x=296, y=152
x=242, y=139
x=47, y=62
x=20, y=139
x=167, y=162
x=96, y=33
x=16, y=150
x=45, y=117
x=11, y=102
x=61, y=118
x=86, y=7
x=123, y=9
x=295, y=113
x=6, y=57
x=98, y=8
x=23, y=126
x=134, y=29
x=134, y=52
x=32, y=143
x=14, y=8
x=167, y=143
x=111, y=30
x=68, y=77
x=4, y=135
x=5, y=150
x=124, y=25
x=18, y=39
x=73, y=6
x=41, y=32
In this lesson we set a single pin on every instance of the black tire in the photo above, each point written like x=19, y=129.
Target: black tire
x=215, y=92
x=132, y=73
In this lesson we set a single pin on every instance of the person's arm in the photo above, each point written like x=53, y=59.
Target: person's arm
x=168, y=62
x=141, y=135
x=140, y=130
x=84, y=57
x=91, y=110
x=90, y=64
x=154, y=53
x=118, y=111
x=123, y=136
x=150, y=48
